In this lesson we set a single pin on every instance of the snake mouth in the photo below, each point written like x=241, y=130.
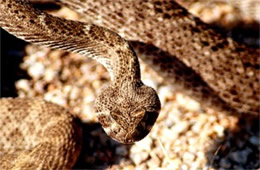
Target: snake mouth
x=123, y=136
x=142, y=129
x=128, y=132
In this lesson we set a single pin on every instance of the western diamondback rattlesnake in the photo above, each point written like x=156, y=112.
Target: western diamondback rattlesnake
x=169, y=33
x=48, y=36
x=127, y=109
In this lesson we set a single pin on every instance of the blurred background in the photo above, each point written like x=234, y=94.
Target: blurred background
x=185, y=136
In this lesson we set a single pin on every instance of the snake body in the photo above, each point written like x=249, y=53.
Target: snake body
x=229, y=70
x=217, y=70
x=126, y=109
x=34, y=135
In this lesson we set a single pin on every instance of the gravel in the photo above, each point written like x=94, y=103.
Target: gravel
x=185, y=135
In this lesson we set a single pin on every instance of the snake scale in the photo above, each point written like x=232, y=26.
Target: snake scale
x=214, y=69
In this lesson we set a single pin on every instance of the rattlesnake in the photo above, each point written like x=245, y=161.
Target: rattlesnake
x=127, y=109
x=228, y=68
x=35, y=26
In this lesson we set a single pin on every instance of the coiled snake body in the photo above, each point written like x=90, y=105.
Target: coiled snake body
x=127, y=109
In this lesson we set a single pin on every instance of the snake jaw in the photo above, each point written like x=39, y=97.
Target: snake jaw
x=128, y=135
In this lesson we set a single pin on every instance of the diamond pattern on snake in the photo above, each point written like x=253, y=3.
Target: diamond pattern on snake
x=215, y=70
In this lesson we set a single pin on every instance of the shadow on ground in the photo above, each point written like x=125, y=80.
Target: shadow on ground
x=239, y=146
x=12, y=53
x=98, y=155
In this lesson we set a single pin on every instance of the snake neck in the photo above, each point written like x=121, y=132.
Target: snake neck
x=125, y=67
x=24, y=21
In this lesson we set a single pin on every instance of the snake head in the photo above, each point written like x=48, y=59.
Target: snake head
x=127, y=114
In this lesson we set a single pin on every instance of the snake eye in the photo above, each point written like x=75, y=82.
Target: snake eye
x=151, y=117
x=145, y=125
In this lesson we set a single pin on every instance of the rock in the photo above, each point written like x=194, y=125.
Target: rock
x=174, y=164
x=145, y=144
x=219, y=130
x=188, y=157
x=254, y=140
x=23, y=85
x=184, y=167
x=180, y=127
x=36, y=70
x=139, y=157
x=187, y=102
x=224, y=163
x=74, y=93
x=49, y=75
x=121, y=150
x=240, y=156
x=154, y=162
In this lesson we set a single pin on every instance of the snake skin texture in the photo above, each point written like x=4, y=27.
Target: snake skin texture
x=227, y=71
x=127, y=109
x=36, y=134
x=201, y=61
